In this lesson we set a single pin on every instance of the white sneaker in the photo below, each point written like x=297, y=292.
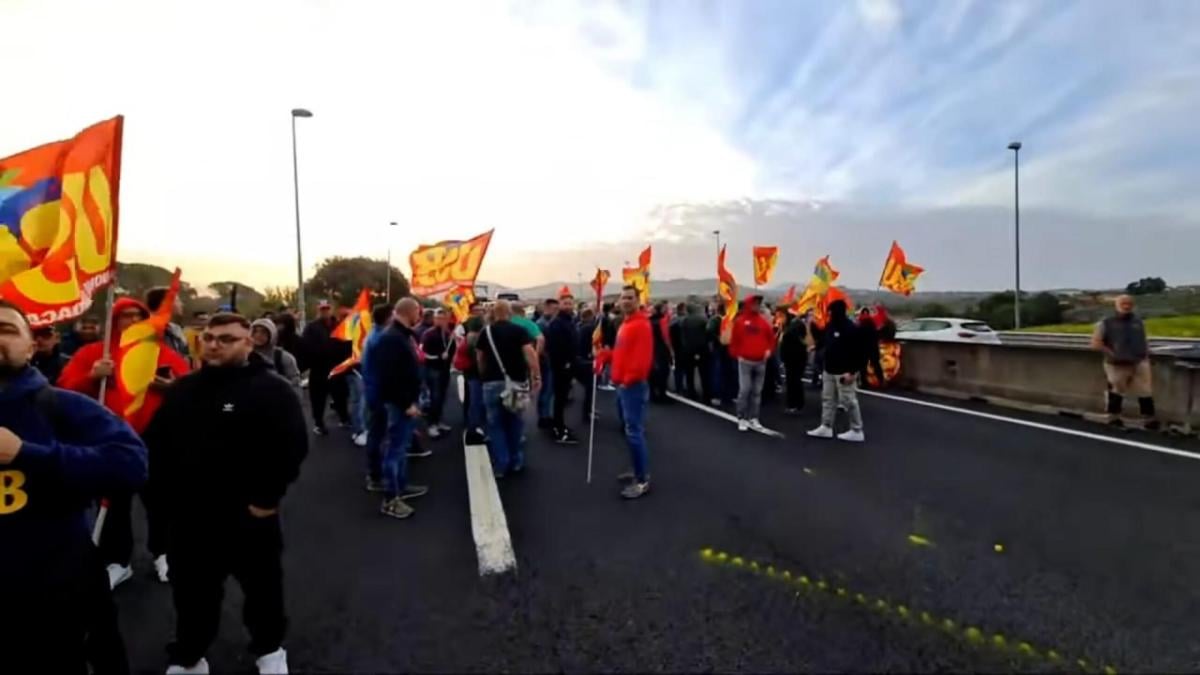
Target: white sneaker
x=821, y=432
x=361, y=440
x=434, y=432
x=198, y=668
x=445, y=427
x=118, y=574
x=757, y=426
x=852, y=436
x=743, y=425
x=274, y=663
x=162, y=568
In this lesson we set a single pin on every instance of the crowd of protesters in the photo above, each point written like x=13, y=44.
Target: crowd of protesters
x=229, y=378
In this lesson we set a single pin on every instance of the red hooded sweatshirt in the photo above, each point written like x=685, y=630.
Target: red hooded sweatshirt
x=76, y=375
x=753, y=337
x=634, y=353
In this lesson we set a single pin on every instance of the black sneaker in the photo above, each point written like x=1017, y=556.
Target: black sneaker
x=373, y=485
x=1116, y=422
x=320, y=431
x=565, y=437
x=420, y=452
x=1152, y=425
x=414, y=491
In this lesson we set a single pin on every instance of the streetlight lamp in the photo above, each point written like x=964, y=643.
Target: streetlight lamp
x=1015, y=146
x=298, y=112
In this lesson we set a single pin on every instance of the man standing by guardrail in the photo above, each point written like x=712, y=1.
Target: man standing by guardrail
x=1122, y=338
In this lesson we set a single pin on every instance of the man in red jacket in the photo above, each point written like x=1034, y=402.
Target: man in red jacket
x=83, y=373
x=751, y=344
x=632, y=358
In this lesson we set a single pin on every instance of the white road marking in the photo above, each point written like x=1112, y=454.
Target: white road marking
x=493, y=545
x=719, y=413
x=489, y=526
x=1037, y=425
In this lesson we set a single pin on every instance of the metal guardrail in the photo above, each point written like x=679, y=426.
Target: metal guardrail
x=1077, y=341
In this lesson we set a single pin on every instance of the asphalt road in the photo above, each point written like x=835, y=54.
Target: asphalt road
x=1100, y=556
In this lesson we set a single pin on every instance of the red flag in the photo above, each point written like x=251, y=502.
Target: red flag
x=789, y=297
x=726, y=290
x=564, y=291
x=765, y=258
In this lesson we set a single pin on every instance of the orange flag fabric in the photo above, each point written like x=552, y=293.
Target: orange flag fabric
x=899, y=276
x=136, y=358
x=355, y=329
x=58, y=223
x=726, y=290
x=639, y=277
x=564, y=291
x=598, y=283
x=438, y=268
x=765, y=258
x=789, y=298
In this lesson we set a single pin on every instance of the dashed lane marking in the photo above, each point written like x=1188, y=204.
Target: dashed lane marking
x=719, y=413
x=817, y=586
x=1037, y=425
x=493, y=545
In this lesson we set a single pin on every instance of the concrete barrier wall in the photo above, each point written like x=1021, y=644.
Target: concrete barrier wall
x=1070, y=379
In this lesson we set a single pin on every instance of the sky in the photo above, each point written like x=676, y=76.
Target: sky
x=583, y=131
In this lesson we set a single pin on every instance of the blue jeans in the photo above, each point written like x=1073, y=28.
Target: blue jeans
x=631, y=401
x=475, y=412
x=545, y=402
x=400, y=429
x=358, y=403
x=504, y=430
x=376, y=418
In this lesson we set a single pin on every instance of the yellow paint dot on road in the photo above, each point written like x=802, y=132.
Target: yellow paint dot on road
x=1109, y=670
x=787, y=575
x=1026, y=648
x=926, y=617
x=918, y=540
x=707, y=554
x=998, y=641
x=1053, y=655
x=860, y=598
x=738, y=562
x=1083, y=664
x=804, y=580
x=882, y=605
x=902, y=610
x=948, y=625
x=973, y=634
x=722, y=556
x=998, y=548
x=808, y=471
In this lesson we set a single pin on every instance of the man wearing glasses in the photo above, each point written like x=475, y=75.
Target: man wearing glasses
x=224, y=446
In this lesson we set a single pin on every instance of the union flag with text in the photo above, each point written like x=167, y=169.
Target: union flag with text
x=639, y=277
x=440, y=267
x=58, y=223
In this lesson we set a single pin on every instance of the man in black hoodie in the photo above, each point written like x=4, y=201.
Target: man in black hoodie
x=844, y=359
x=793, y=350
x=226, y=443
x=324, y=353
x=562, y=342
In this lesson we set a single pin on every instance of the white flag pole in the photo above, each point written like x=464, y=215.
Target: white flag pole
x=592, y=432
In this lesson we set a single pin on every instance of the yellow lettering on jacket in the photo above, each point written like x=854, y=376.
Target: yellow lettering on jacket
x=12, y=497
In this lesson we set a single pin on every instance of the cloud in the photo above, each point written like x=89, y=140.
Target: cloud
x=881, y=16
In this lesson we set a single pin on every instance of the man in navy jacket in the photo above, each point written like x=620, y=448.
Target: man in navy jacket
x=59, y=450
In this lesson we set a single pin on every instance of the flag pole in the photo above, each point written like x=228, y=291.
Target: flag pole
x=592, y=431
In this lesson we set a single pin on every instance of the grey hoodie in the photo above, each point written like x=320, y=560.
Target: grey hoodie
x=276, y=358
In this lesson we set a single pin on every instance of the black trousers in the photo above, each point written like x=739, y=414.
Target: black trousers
x=63, y=626
x=322, y=388
x=116, y=537
x=584, y=375
x=248, y=549
x=660, y=373
x=685, y=373
x=563, y=380
x=794, y=383
x=437, y=379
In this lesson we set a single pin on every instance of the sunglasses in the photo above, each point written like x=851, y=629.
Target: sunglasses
x=225, y=340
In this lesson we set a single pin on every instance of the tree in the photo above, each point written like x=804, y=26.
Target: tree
x=339, y=280
x=996, y=310
x=275, y=297
x=1146, y=286
x=249, y=301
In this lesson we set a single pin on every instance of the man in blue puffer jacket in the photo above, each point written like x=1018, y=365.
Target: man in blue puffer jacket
x=59, y=450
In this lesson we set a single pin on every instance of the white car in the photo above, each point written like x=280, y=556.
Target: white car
x=948, y=330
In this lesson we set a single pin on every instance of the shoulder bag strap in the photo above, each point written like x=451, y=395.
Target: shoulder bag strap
x=495, y=352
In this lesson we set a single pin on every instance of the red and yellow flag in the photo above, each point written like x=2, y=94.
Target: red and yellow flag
x=136, y=357
x=639, y=277
x=459, y=300
x=765, y=258
x=821, y=311
x=564, y=291
x=437, y=268
x=789, y=298
x=355, y=329
x=899, y=276
x=726, y=290
x=58, y=223
x=598, y=283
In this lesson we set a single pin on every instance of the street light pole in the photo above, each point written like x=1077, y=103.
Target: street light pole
x=1015, y=146
x=298, y=112
x=388, y=293
x=718, y=233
